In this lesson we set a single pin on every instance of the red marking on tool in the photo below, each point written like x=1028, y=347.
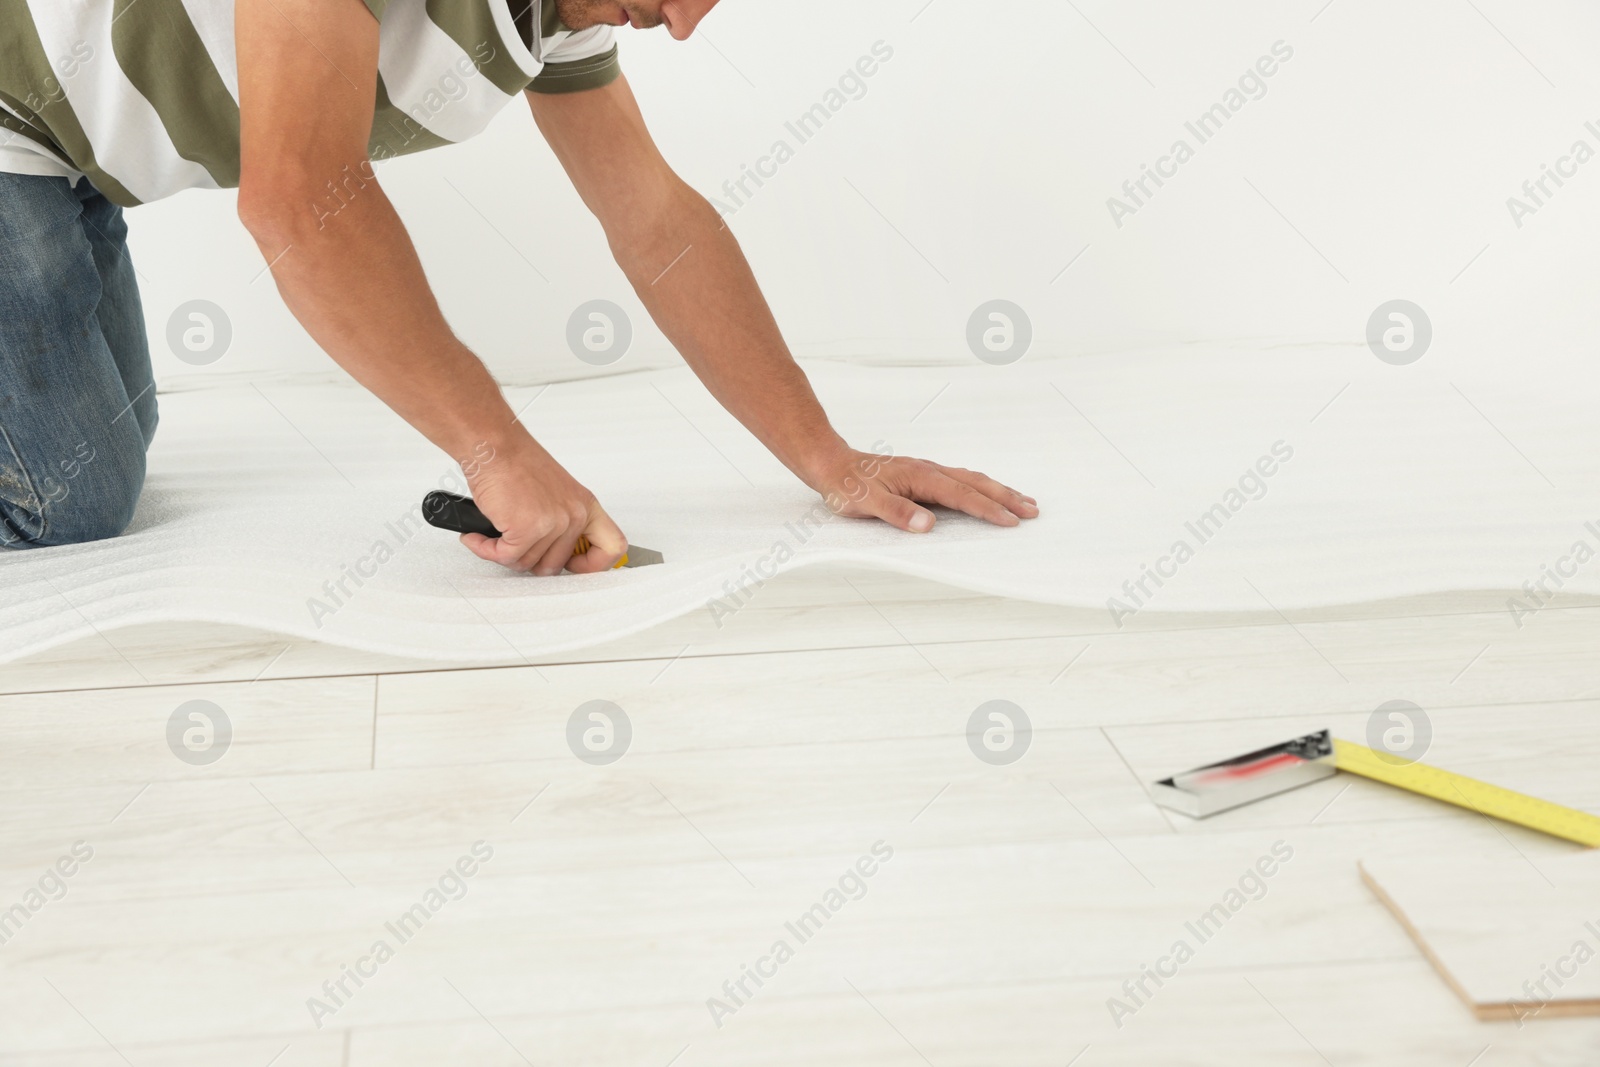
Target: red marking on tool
x=1246, y=770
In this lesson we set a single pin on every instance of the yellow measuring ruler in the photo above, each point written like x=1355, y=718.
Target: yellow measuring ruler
x=1464, y=792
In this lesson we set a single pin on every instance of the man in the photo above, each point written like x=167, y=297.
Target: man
x=106, y=104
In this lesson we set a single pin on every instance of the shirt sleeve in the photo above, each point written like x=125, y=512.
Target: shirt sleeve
x=585, y=60
x=377, y=8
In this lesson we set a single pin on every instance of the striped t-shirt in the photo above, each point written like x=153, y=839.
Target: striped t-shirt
x=142, y=96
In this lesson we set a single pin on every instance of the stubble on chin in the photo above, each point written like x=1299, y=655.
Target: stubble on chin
x=582, y=14
x=577, y=14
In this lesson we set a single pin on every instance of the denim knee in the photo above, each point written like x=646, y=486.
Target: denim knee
x=77, y=400
x=87, y=495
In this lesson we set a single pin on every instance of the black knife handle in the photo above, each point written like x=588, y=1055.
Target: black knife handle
x=458, y=514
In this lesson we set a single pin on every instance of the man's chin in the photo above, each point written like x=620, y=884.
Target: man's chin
x=576, y=16
x=585, y=14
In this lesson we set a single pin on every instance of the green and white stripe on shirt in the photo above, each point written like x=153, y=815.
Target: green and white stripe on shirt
x=142, y=96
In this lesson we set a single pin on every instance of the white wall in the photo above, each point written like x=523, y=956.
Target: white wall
x=991, y=141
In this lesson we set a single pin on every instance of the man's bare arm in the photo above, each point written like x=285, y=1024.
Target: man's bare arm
x=307, y=86
x=693, y=278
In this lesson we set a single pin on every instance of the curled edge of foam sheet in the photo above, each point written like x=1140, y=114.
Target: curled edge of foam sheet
x=1167, y=482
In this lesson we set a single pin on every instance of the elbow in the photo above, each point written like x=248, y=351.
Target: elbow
x=271, y=212
x=700, y=211
x=663, y=221
x=266, y=210
x=280, y=209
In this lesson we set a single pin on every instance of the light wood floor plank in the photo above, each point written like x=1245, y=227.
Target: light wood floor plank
x=103, y=736
x=1359, y=1014
x=828, y=606
x=591, y=940
x=321, y=1050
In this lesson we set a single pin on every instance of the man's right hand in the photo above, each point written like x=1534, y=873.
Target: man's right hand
x=541, y=511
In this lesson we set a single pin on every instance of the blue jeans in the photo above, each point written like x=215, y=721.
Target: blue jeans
x=77, y=398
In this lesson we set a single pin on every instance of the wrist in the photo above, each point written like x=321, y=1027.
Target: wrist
x=823, y=462
x=467, y=416
x=845, y=469
x=482, y=455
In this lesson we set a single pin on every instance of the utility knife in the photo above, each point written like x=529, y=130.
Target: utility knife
x=458, y=514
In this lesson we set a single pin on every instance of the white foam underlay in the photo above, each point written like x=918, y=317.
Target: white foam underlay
x=1411, y=481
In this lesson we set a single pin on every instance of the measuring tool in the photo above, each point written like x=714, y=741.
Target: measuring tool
x=1469, y=793
x=1279, y=768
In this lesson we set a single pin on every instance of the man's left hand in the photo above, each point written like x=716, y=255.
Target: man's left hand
x=893, y=488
